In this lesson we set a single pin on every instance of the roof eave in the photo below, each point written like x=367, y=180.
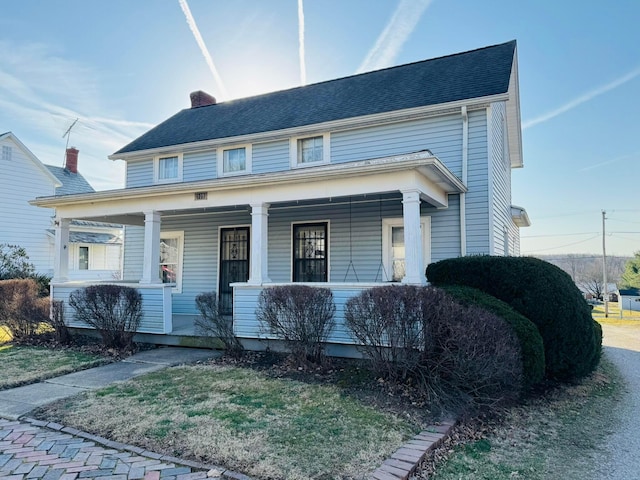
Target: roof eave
x=33, y=158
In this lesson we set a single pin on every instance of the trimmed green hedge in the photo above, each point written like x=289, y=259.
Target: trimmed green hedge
x=533, y=364
x=544, y=294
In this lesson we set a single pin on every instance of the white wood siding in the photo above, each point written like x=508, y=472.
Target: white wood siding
x=154, y=300
x=198, y=166
x=442, y=135
x=477, y=198
x=139, y=173
x=23, y=224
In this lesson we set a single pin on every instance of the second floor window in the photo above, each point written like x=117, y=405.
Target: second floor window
x=310, y=150
x=234, y=161
x=168, y=169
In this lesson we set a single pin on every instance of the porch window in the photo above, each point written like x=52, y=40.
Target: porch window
x=234, y=161
x=168, y=169
x=393, y=247
x=83, y=258
x=171, y=246
x=310, y=252
x=309, y=150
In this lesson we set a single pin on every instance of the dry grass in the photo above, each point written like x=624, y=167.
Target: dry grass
x=5, y=335
x=22, y=365
x=614, y=318
x=549, y=437
x=270, y=428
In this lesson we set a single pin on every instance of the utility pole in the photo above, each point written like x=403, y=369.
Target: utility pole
x=605, y=295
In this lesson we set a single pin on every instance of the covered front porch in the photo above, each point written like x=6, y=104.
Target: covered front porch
x=347, y=227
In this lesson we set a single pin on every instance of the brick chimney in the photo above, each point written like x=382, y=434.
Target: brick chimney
x=201, y=99
x=71, y=160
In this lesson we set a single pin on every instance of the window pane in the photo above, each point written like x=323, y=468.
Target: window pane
x=310, y=150
x=234, y=160
x=310, y=243
x=83, y=258
x=397, y=253
x=169, y=256
x=167, y=168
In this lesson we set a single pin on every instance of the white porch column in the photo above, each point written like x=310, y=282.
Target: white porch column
x=61, y=253
x=151, y=259
x=259, y=244
x=413, y=256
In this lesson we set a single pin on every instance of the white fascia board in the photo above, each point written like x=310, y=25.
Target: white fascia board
x=419, y=170
x=319, y=128
x=514, y=121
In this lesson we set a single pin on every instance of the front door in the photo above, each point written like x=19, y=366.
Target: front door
x=234, y=264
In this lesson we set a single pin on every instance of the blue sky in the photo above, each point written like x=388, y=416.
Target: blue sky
x=123, y=66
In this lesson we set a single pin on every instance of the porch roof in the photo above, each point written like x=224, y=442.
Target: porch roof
x=418, y=171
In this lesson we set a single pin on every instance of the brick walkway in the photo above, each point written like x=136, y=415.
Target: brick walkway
x=47, y=451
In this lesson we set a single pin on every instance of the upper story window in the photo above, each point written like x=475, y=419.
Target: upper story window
x=6, y=152
x=309, y=150
x=234, y=160
x=168, y=169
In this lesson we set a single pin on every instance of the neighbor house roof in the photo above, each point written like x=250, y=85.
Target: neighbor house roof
x=71, y=182
x=478, y=73
x=630, y=292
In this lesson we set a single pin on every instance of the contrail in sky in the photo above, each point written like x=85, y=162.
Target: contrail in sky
x=303, y=66
x=581, y=99
x=203, y=48
x=390, y=41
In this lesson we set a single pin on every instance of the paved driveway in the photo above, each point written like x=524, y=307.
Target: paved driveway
x=621, y=456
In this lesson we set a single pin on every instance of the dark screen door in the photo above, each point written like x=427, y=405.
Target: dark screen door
x=234, y=263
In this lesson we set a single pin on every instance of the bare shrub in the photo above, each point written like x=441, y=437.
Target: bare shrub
x=388, y=322
x=472, y=358
x=301, y=315
x=21, y=309
x=115, y=311
x=60, y=328
x=461, y=358
x=212, y=324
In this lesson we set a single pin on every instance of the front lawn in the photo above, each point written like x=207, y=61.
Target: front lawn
x=27, y=364
x=264, y=425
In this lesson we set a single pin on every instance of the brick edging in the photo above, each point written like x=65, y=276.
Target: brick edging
x=406, y=459
x=225, y=474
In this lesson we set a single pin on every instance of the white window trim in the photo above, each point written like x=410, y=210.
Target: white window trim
x=156, y=168
x=179, y=234
x=293, y=151
x=292, y=246
x=387, y=223
x=248, y=150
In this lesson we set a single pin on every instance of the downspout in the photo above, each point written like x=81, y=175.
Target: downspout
x=465, y=159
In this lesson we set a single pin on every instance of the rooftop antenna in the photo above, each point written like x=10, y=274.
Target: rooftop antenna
x=68, y=135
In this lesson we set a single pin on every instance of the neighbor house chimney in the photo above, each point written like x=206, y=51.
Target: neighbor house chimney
x=71, y=160
x=201, y=99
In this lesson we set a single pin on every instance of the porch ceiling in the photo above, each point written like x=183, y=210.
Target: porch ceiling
x=420, y=171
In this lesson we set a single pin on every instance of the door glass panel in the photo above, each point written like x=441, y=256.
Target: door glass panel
x=397, y=253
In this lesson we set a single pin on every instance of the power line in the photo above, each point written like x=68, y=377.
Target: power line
x=568, y=244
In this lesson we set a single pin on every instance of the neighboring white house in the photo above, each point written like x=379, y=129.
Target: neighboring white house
x=348, y=184
x=629, y=299
x=95, y=251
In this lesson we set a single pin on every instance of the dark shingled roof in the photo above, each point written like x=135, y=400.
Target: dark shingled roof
x=71, y=182
x=473, y=74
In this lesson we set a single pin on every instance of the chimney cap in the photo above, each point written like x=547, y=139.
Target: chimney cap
x=201, y=99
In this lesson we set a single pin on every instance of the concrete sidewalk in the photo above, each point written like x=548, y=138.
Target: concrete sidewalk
x=17, y=402
x=33, y=449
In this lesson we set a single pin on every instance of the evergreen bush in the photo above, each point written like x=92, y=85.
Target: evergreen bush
x=544, y=294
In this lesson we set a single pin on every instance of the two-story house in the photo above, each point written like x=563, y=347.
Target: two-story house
x=347, y=183
x=94, y=249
